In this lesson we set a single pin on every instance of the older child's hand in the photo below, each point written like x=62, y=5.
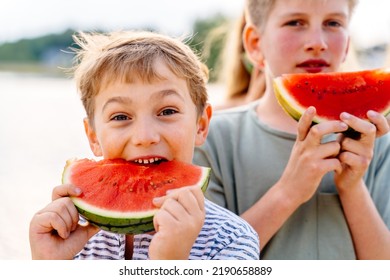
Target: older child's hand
x=177, y=223
x=382, y=124
x=311, y=159
x=356, y=154
x=54, y=230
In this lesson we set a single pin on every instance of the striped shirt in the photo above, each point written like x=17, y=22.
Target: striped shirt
x=224, y=236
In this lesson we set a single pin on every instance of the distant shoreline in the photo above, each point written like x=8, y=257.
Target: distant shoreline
x=32, y=69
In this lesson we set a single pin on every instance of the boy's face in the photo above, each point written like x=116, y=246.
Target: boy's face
x=147, y=122
x=303, y=36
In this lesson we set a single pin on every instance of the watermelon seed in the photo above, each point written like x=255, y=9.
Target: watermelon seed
x=101, y=178
x=380, y=82
x=153, y=185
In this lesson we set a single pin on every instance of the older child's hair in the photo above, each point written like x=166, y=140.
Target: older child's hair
x=234, y=71
x=257, y=11
x=128, y=55
x=237, y=70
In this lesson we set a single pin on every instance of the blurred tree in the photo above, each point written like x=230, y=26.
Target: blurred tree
x=35, y=50
x=53, y=51
x=208, y=40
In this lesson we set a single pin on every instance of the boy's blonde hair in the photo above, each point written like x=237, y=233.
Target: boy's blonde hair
x=257, y=11
x=128, y=55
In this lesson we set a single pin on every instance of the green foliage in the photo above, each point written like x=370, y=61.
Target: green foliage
x=37, y=49
x=208, y=41
x=52, y=51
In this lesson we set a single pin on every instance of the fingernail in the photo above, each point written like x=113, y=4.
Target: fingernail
x=343, y=125
x=157, y=199
x=311, y=110
x=372, y=114
x=345, y=116
x=77, y=191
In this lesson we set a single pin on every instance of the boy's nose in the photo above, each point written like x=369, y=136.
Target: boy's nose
x=144, y=133
x=316, y=41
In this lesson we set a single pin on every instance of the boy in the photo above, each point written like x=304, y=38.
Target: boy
x=308, y=194
x=145, y=98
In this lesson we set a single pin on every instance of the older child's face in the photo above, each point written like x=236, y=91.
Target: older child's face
x=147, y=122
x=306, y=36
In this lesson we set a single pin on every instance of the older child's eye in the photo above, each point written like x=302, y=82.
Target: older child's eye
x=167, y=112
x=333, y=23
x=120, y=118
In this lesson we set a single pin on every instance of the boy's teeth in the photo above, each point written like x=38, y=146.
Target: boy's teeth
x=146, y=161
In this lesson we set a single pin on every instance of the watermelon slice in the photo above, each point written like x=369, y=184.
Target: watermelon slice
x=117, y=195
x=334, y=93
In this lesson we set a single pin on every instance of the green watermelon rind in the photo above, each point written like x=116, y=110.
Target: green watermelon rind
x=122, y=222
x=123, y=226
x=289, y=105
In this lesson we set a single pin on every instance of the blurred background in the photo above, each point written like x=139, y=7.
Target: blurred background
x=40, y=112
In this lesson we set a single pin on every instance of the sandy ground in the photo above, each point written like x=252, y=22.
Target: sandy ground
x=40, y=128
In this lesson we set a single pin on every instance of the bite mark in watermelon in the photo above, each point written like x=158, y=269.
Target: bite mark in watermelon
x=334, y=93
x=117, y=195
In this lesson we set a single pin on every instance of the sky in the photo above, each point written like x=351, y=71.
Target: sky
x=27, y=19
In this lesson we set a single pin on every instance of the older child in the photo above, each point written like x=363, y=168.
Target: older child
x=145, y=98
x=308, y=194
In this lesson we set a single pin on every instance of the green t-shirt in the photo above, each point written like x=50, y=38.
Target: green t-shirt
x=248, y=157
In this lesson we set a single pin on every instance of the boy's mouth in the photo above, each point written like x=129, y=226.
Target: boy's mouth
x=154, y=160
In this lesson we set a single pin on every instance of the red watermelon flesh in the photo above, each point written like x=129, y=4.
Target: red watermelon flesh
x=117, y=195
x=334, y=93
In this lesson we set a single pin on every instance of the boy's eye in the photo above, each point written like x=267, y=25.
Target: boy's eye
x=294, y=23
x=167, y=112
x=120, y=118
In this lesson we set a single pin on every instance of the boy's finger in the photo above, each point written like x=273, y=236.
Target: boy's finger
x=194, y=191
x=64, y=191
x=182, y=196
x=192, y=199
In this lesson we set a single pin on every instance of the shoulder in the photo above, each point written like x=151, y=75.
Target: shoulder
x=232, y=233
x=233, y=114
x=219, y=215
x=229, y=122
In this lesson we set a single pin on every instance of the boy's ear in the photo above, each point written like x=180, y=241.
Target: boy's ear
x=251, y=40
x=203, y=125
x=93, y=141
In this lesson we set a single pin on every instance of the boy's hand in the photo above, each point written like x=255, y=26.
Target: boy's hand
x=356, y=154
x=54, y=230
x=311, y=159
x=177, y=223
